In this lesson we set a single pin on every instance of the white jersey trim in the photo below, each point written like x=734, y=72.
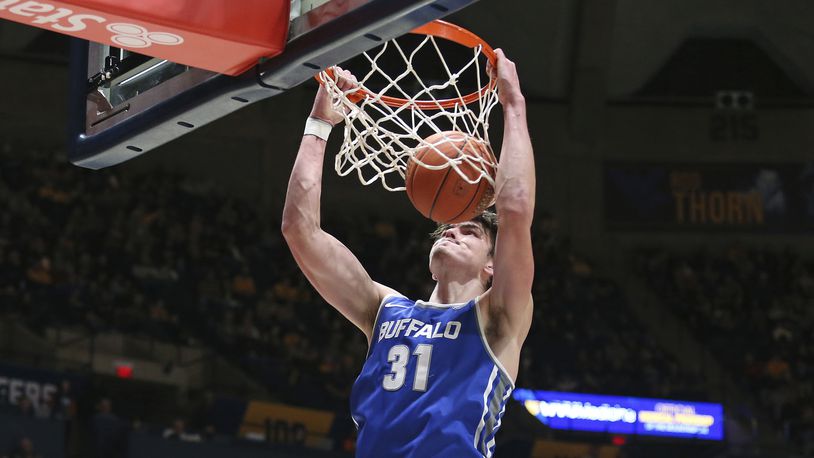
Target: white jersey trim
x=482, y=422
x=486, y=344
x=499, y=419
x=437, y=305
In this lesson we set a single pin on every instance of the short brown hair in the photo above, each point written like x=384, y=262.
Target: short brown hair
x=486, y=219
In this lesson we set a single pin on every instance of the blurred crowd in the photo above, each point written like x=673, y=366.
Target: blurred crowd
x=172, y=257
x=21, y=420
x=24, y=448
x=754, y=308
x=584, y=337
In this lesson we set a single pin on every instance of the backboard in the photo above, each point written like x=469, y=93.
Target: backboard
x=124, y=103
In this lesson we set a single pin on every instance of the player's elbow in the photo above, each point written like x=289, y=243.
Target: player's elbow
x=289, y=223
x=516, y=204
x=293, y=227
x=287, y=227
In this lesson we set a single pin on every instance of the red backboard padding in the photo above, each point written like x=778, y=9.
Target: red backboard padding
x=224, y=36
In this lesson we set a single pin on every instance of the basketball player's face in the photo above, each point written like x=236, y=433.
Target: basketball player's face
x=466, y=243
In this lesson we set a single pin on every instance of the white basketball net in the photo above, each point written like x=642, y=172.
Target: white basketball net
x=380, y=139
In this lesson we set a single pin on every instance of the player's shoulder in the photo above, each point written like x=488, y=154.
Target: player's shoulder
x=386, y=293
x=488, y=300
x=387, y=297
x=493, y=311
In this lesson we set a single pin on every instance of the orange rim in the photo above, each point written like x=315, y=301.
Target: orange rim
x=447, y=31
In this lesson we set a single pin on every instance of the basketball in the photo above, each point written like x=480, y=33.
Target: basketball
x=443, y=195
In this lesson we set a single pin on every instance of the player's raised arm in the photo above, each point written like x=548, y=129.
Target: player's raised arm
x=328, y=264
x=513, y=263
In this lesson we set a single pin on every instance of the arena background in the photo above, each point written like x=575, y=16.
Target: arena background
x=675, y=206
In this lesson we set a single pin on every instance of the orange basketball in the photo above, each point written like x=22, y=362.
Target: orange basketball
x=442, y=195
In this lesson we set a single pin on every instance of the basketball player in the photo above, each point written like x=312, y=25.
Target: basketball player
x=438, y=372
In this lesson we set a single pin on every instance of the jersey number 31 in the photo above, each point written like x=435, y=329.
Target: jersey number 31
x=398, y=357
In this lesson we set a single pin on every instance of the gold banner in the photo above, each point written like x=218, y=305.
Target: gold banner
x=552, y=449
x=286, y=424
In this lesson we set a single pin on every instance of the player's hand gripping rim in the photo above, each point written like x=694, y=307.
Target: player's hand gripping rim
x=324, y=107
x=508, y=83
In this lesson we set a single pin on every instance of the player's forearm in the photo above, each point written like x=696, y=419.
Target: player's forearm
x=515, y=181
x=302, y=203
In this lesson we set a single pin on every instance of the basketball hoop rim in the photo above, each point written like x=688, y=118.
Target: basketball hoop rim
x=447, y=31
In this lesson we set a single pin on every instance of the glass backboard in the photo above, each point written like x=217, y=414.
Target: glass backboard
x=124, y=104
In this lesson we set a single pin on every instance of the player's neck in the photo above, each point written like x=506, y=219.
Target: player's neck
x=454, y=292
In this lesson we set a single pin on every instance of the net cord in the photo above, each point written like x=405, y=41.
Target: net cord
x=379, y=140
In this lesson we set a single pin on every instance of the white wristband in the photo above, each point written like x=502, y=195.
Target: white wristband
x=318, y=128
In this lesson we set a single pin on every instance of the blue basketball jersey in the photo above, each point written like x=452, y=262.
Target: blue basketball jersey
x=430, y=386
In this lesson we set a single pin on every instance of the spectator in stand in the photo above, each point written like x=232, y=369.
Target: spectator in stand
x=47, y=409
x=24, y=449
x=66, y=409
x=25, y=407
x=179, y=432
x=243, y=284
x=108, y=431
